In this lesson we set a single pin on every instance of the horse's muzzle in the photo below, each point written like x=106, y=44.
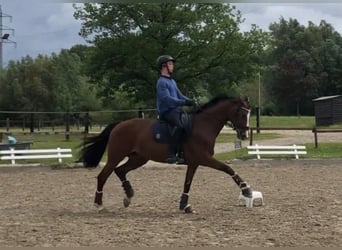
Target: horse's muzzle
x=242, y=134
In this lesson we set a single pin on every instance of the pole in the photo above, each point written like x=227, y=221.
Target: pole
x=2, y=37
x=32, y=123
x=0, y=50
x=251, y=137
x=314, y=130
x=67, y=126
x=86, y=123
x=258, y=119
x=259, y=94
x=259, y=105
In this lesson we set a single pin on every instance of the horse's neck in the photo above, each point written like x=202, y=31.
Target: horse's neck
x=211, y=121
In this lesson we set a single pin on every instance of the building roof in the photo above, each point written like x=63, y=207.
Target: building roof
x=326, y=98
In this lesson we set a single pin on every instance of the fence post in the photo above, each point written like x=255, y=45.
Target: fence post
x=59, y=154
x=32, y=123
x=86, y=123
x=295, y=151
x=314, y=130
x=141, y=113
x=251, y=137
x=12, y=155
x=257, y=151
x=67, y=126
x=7, y=124
x=258, y=119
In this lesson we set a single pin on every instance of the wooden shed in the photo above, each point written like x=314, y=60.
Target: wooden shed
x=328, y=110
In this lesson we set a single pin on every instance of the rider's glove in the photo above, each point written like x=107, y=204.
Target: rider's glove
x=190, y=103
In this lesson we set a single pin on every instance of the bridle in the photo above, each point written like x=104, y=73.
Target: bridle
x=247, y=111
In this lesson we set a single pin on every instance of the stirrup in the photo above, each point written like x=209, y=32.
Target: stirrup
x=172, y=159
x=180, y=160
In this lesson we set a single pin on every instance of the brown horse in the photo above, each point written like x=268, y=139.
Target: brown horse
x=133, y=139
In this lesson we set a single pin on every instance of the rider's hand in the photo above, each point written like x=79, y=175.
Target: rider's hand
x=190, y=103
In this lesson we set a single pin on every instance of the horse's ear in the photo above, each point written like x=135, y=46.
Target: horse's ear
x=246, y=99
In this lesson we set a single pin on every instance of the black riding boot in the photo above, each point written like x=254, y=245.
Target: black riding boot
x=173, y=155
x=174, y=146
x=180, y=159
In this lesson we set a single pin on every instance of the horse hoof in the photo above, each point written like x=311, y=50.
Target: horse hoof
x=99, y=207
x=126, y=201
x=188, y=209
x=247, y=192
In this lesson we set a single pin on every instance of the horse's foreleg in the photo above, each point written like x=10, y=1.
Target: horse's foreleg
x=183, y=203
x=243, y=185
x=245, y=188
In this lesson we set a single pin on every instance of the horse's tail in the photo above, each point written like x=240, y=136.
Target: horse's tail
x=94, y=147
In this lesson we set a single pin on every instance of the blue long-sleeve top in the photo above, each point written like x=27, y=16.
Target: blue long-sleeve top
x=168, y=95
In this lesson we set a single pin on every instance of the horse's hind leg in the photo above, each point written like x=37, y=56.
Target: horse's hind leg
x=112, y=161
x=101, y=180
x=134, y=161
x=183, y=203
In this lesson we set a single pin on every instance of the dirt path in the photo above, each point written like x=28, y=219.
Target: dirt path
x=41, y=207
x=44, y=207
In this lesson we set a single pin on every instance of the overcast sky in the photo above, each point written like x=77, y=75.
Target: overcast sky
x=49, y=26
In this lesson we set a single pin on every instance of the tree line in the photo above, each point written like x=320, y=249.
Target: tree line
x=290, y=64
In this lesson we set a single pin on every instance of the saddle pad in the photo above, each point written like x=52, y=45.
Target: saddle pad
x=161, y=132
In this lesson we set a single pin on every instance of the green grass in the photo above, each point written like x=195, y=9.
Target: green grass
x=284, y=121
x=324, y=151
x=51, y=140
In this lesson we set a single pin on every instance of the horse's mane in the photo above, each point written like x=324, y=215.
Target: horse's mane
x=213, y=102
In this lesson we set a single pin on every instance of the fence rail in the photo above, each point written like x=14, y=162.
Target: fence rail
x=29, y=154
x=314, y=130
x=66, y=121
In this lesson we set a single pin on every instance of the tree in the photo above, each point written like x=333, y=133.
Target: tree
x=330, y=54
x=212, y=55
x=45, y=83
x=25, y=86
x=305, y=62
x=293, y=66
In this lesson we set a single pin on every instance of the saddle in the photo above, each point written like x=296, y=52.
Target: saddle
x=165, y=133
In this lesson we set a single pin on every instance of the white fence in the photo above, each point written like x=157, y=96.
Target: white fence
x=259, y=150
x=27, y=154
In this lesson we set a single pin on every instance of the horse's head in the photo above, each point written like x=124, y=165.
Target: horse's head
x=227, y=109
x=240, y=120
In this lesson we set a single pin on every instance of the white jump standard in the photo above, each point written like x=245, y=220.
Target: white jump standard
x=249, y=202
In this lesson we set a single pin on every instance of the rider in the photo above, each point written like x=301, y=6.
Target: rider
x=169, y=103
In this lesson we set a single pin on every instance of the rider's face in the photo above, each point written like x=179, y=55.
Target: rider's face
x=170, y=65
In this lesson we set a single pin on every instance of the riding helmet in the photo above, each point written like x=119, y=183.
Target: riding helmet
x=164, y=59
